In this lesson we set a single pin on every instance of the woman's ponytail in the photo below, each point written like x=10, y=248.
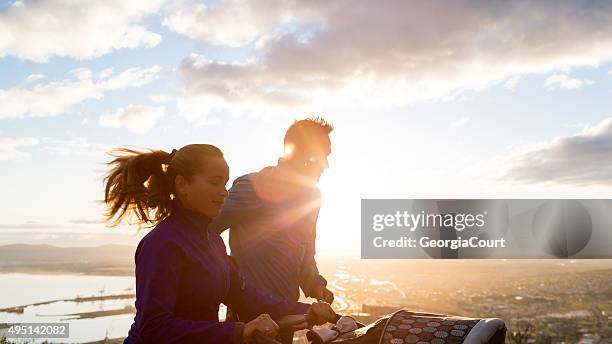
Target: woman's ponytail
x=141, y=183
x=138, y=184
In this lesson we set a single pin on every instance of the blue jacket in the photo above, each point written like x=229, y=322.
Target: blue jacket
x=273, y=242
x=182, y=275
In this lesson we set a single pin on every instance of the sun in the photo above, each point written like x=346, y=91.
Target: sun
x=338, y=226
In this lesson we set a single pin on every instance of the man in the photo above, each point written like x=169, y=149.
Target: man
x=273, y=213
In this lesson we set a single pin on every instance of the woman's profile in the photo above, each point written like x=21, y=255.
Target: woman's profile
x=183, y=272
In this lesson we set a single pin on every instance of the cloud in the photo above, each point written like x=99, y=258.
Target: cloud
x=53, y=98
x=135, y=118
x=15, y=148
x=11, y=148
x=461, y=122
x=38, y=30
x=78, y=146
x=581, y=159
x=33, y=77
x=203, y=22
x=105, y=73
x=163, y=98
x=565, y=81
x=512, y=82
x=308, y=54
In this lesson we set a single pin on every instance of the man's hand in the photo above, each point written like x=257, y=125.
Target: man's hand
x=323, y=312
x=321, y=293
x=263, y=324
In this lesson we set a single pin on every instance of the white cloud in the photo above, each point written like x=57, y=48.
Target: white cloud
x=105, y=73
x=132, y=77
x=82, y=29
x=11, y=148
x=210, y=22
x=310, y=54
x=33, y=77
x=81, y=73
x=581, y=159
x=163, y=98
x=461, y=122
x=565, y=81
x=135, y=118
x=78, y=146
x=512, y=82
x=16, y=148
x=55, y=97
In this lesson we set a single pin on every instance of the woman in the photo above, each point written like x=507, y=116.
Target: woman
x=182, y=270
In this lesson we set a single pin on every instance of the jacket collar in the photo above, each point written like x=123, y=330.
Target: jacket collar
x=193, y=219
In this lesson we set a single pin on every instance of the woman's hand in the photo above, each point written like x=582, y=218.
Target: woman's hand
x=322, y=312
x=263, y=324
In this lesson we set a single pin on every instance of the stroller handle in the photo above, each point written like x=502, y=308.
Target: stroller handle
x=296, y=322
x=289, y=323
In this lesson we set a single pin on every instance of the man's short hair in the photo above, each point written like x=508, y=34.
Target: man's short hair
x=306, y=131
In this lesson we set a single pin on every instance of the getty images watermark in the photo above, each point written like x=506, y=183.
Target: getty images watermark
x=486, y=228
x=411, y=222
x=35, y=330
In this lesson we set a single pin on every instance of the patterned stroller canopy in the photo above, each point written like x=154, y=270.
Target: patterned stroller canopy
x=405, y=326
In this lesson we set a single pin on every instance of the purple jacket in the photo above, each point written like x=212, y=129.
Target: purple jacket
x=182, y=275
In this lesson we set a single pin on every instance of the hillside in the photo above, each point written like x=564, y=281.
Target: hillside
x=104, y=259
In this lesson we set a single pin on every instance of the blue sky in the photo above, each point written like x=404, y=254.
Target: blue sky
x=415, y=115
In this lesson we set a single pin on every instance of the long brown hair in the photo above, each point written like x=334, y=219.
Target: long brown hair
x=141, y=183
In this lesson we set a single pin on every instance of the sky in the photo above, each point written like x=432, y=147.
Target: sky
x=436, y=99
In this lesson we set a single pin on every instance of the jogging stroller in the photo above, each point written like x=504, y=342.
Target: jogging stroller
x=403, y=326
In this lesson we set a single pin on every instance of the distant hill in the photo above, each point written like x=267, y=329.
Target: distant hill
x=105, y=259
